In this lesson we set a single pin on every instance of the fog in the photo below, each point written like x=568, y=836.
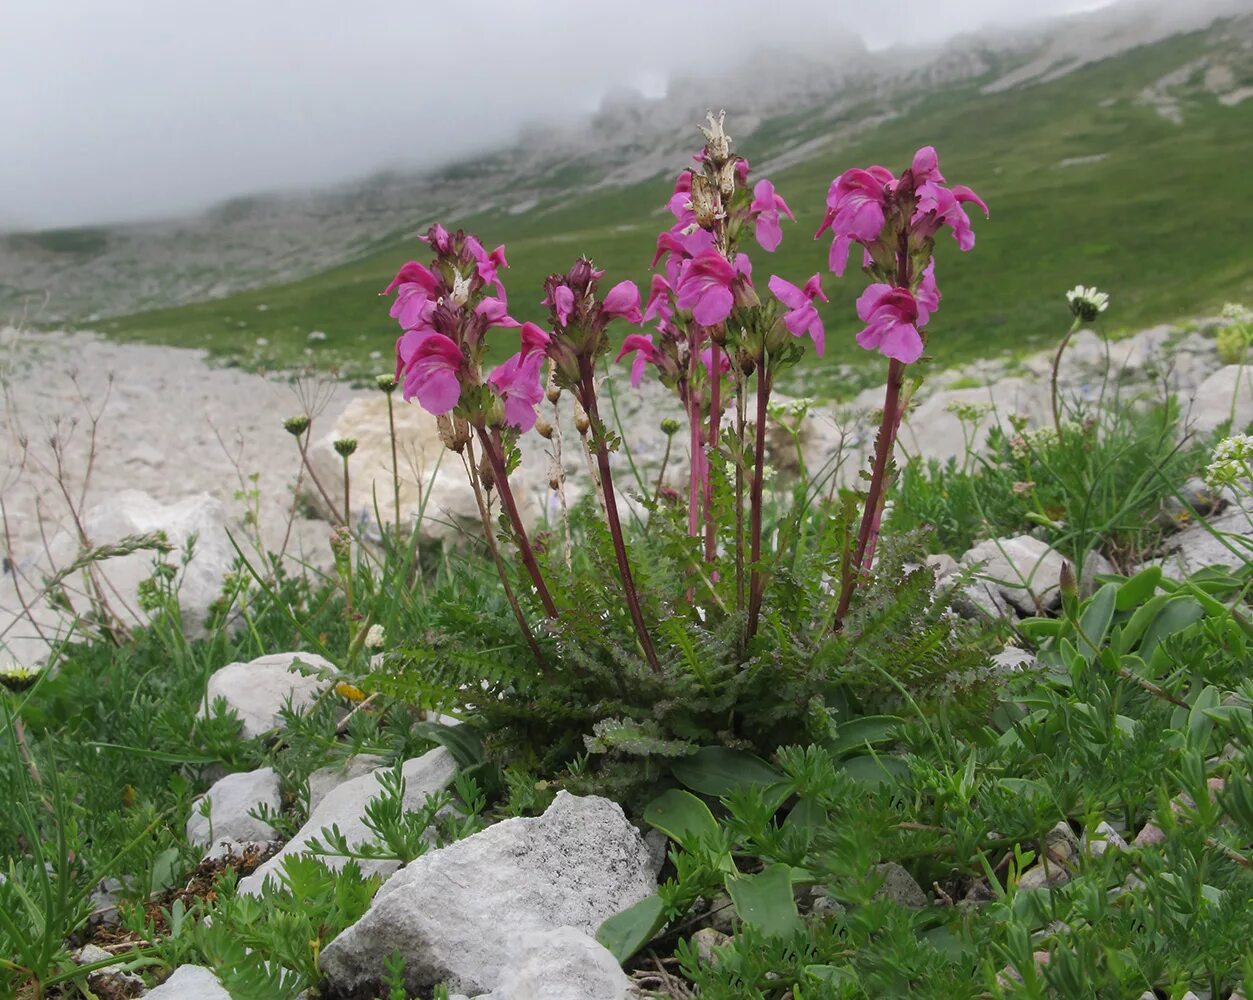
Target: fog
x=127, y=109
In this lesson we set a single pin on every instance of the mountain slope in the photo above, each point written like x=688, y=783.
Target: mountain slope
x=1124, y=170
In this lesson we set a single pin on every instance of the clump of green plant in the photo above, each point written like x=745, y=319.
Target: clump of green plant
x=1236, y=336
x=1136, y=720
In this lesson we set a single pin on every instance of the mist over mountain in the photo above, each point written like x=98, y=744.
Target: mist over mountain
x=786, y=102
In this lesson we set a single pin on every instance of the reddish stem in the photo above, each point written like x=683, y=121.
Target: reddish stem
x=757, y=582
x=587, y=390
x=715, y=415
x=491, y=448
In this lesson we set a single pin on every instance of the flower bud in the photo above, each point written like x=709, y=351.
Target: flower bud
x=295, y=426
x=18, y=677
x=669, y=427
x=453, y=431
x=1066, y=580
x=387, y=383
x=345, y=446
x=544, y=428
x=581, y=423
x=486, y=476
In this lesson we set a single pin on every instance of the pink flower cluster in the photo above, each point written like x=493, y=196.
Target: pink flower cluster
x=445, y=311
x=895, y=220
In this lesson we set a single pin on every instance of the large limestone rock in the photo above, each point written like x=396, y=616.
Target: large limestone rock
x=560, y=964
x=229, y=827
x=932, y=429
x=190, y=982
x=344, y=806
x=256, y=691
x=326, y=779
x=133, y=512
x=1196, y=546
x=456, y=914
x=1225, y=395
x=1023, y=571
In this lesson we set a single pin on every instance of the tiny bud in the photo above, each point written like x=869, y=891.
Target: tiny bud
x=345, y=446
x=544, y=428
x=581, y=423
x=1066, y=580
x=669, y=427
x=486, y=476
x=551, y=389
x=295, y=426
x=387, y=383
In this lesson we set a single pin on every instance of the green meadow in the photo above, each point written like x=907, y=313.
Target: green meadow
x=1155, y=213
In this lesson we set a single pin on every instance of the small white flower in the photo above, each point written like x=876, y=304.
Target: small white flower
x=263, y=342
x=1237, y=312
x=16, y=676
x=1231, y=461
x=374, y=638
x=315, y=335
x=1087, y=303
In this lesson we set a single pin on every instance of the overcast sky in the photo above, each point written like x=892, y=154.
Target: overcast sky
x=119, y=109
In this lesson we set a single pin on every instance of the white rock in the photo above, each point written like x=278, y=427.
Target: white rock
x=1225, y=395
x=229, y=828
x=1023, y=570
x=1196, y=547
x=452, y=912
x=133, y=512
x=1103, y=838
x=190, y=982
x=560, y=964
x=344, y=806
x=325, y=780
x=255, y=691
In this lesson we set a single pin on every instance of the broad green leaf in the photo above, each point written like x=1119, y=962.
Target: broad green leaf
x=875, y=770
x=1140, y=620
x=1038, y=629
x=1094, y=623
x=460, y=741
x=1026, y=787
x=627, y=932
x=807, y=814
x=1138, y=589
x=856, y=733
x=1177, y=614
x=682, y=817
x=765, y=900
x=832, y=975
x=716, y=771
x=1200, y=725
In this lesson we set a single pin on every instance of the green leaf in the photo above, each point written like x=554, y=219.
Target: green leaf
x=1094, y=623
x=1138, y=589
x=765, y=900
x=1028, y=788
x=1200, y=724
x=1139, y=622
x=682, y=817
x=717, y=771
x=1177, y=614
x=627, y=932
x=460, y=741
x=875, y=770
x=807, y=814
x=832, y=975
x=856, y=733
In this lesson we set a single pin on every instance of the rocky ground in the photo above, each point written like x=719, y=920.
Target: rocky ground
x=104, y=441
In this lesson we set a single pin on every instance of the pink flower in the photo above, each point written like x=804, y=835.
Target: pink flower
x=534, y=339
x=682, y=246
x=706, y=286
x=415, y=286
x=856, y=205
x=893, y=318
x=438, y=239
x=659, y=293
x=485, y=262
x=802, y=315
x=938, y=205
x=766, y=206
x=623, y=302
x=563, y=303
x=429, y=362
x=724, y=363
x=517, y=382
x=641, y=345
x=928, y=294
x=494, y=312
